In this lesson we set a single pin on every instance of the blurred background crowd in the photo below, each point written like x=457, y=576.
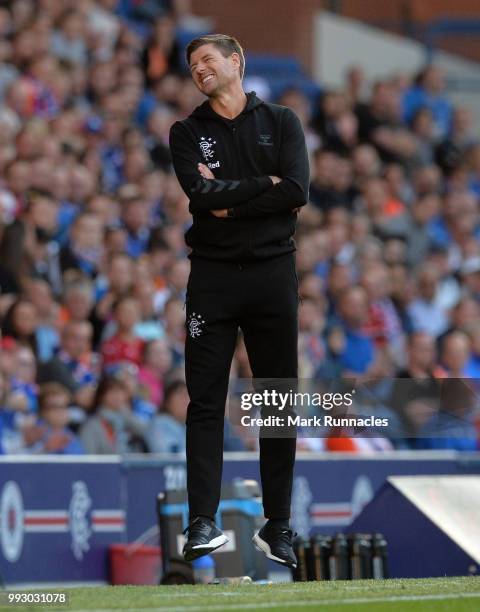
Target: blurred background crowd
x=93, y=265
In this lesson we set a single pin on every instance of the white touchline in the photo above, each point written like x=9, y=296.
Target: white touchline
x=290, y=604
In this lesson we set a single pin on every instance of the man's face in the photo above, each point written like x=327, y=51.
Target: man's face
x=211, y=71
x=121, y=274
x=456, y=351
x=88, y=232
x=135, y=215
x=127, y=314
x=43, y=214
x=77, y=340
x=354, y=307
x=19, y=177
x=422, y=351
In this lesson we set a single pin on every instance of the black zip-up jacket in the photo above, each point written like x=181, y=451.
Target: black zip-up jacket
x=264, y=140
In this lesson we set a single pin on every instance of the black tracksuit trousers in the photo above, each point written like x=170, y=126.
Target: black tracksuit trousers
x=262, y=299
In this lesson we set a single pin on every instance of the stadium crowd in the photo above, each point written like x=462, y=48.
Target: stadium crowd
x=93, y=265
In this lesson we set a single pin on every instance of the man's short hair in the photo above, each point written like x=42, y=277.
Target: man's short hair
x=224, y=43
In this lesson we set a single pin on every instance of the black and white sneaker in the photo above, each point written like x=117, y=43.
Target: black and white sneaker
x=203, y=537
x=276, y=543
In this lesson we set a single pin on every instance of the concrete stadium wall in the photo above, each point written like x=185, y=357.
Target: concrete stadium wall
x=269, y=26
x=426, y=10
x=341, y=42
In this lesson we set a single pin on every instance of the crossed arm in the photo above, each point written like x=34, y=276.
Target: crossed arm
x=207, y=174
x=252, y=197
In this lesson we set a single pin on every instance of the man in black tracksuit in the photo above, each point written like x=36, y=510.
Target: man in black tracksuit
x=244, y=166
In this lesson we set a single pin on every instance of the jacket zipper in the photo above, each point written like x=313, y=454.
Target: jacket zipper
x=234, y=131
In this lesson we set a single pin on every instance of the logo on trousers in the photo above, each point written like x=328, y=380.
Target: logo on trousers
x=195, y=322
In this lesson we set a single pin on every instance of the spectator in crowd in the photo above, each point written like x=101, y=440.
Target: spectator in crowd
x=427, y=92
x=424, y=210
x=14, y=415
x=167, y=432
x=136, y=222
x=455, y=353
x=51, y=433
x=383, y=210
x=112, y=428
x=116, y=282
x=93, y=262
x=40, y=294
x=174, y=318
x=20, y=323
x=458, y=145
x=470, y=273
x=157, y=362
x=380, y=123
x=162, y=53
x=77, y=299
x=149, y=327
x=416, y=385
x=423, y=127
x=472, y=368
x=68, y=39
x=423, y=311
x=463, y=315
x=327, y=188
x=452, y=426
x=141, y=405
x=74, y=364
x=23, y=380
x=85, y=247
x=456, y=225
x=8, y=358
x=311, y=345
x=27, y=247
x=356, y=350
x=298, y=101
x=383, y=324
x=124, y=344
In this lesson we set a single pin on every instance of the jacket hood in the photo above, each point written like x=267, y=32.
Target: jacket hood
x=205, y=111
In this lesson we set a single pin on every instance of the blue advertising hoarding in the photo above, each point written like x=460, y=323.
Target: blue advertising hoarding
x=59, y=515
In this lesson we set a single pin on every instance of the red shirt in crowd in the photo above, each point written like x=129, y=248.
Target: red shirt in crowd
x=116, y=349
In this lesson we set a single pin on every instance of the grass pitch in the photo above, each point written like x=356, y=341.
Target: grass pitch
x=432, y=595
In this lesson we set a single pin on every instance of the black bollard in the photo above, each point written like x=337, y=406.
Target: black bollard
x=300, y=547
x=339, y=559
x=379, y=556
x=320, y=550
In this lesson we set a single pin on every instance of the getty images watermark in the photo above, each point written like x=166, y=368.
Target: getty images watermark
x=402, y=410
x=288, y=402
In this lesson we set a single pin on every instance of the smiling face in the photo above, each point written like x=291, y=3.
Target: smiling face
x=211, y=71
